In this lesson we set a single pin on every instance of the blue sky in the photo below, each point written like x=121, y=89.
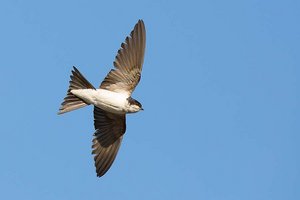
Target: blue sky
x=220, y=89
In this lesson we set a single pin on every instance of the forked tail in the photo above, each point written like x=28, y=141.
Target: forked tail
x=72, y=102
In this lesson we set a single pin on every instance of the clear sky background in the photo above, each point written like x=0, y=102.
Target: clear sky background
x=220, y=88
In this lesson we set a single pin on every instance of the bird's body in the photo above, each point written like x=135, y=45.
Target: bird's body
x=109, y=101
x=112, y=101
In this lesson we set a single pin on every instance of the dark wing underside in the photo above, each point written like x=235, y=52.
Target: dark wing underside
x=128, y=63
x=107, y=138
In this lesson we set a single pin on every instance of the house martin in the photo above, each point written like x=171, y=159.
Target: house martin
x=112, y=100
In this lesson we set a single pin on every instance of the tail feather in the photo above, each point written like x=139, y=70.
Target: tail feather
x=72, y=102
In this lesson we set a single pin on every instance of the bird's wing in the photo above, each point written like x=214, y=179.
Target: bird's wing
x=128, y=63
x=107, y=138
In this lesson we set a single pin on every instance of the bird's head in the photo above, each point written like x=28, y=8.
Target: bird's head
x=134, y=105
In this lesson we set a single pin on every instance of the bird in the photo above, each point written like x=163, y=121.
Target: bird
x=112, y=100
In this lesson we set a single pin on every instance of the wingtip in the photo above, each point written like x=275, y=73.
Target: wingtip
x=60, y=112
x=140, y=21
x=140, y=24
x=75, y=69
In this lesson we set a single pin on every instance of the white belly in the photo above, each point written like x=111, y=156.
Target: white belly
x=104, y=99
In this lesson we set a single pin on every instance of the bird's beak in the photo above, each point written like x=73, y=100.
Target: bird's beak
x=142, y=108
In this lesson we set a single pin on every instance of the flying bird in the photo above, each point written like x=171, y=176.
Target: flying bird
x=112, y=100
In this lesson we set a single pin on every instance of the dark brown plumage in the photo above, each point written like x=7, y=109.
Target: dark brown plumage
x=71, y=102
x=128, y=63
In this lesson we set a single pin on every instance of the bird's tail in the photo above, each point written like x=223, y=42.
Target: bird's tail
x=72, y=102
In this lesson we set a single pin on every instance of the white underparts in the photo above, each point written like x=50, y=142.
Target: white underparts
x=104, y=99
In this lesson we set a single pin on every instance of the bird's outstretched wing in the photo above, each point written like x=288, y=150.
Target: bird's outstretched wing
x=107, y=138
x=128, y=63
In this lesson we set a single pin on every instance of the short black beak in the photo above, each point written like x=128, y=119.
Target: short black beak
x=142, y=108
